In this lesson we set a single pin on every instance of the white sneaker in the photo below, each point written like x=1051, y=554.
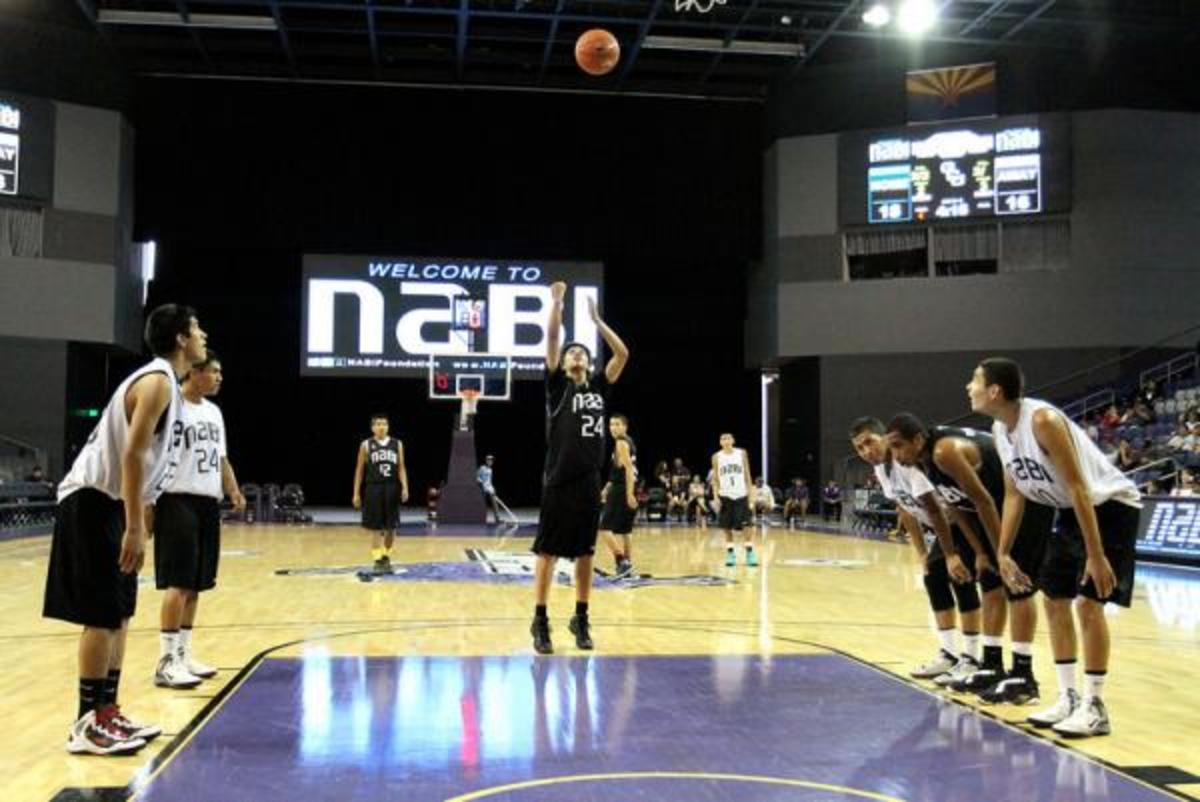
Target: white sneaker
x=135, y=729
x=198, y=669
x=96, y=734
x=935, y=667
x=171, y=673
x=1060, y=711
x=1090, y=718
x=965, y=667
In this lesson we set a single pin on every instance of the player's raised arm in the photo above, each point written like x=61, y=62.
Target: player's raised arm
x=558, y=291
x=620, y=351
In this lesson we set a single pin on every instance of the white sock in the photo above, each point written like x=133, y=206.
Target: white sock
x=1066, y=676
x=971, y=645
x=1093, y=686
x=1022, y=648
x=993, y=640
x=946, y=637
x=168, y=643
x=185, y=642
x=749, y=546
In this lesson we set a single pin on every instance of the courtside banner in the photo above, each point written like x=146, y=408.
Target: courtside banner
x=1170, y=527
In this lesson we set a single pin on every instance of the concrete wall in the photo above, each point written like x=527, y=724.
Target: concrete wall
x=33, y=375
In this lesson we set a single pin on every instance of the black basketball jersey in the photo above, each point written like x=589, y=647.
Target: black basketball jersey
x=383, y=459
x=575, y=426
x=991, y=471
x=617, y=474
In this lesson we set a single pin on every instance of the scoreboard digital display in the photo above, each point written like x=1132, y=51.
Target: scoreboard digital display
x=986, y=169
x=952, y=174
x=10, y=148
x=1170, y=527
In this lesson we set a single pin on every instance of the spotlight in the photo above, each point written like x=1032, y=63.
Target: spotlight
x=785, y=20
x=877, y=15
x=915, y=17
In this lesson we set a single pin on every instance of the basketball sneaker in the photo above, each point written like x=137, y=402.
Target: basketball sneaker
x=540, y=630
x=964, y=668
x=171, y=673
x=95, y=733
x=979, y=681
x=624, y=568
x=198, y=669
x=147, y=732
x=385, y=563
x=1089, y=718
x=730, y=558
x=1059, y=712
x=751, y=558
x=1015, y=690
x=935, y=667
x=580, y=628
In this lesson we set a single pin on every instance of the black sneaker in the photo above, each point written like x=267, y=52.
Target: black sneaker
x=540, y=630
x=982, y=680
x=580, y=627
x=624, y=568
x=385, y=564
x=1014, y=690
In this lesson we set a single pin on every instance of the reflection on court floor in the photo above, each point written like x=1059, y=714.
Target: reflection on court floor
x=524, y=729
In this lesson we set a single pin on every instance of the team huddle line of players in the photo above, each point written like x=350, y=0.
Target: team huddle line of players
x=1034, y=506
x=994, y=518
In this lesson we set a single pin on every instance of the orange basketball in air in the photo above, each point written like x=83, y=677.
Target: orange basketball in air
x=597, y=51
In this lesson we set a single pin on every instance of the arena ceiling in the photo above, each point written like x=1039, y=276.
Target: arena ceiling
x=733, y=51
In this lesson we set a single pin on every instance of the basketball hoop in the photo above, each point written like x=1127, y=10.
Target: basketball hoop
x=702, y=6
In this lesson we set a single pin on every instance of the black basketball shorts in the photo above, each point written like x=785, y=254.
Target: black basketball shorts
x=187, y=541
x=570, y=518
x=84, y=583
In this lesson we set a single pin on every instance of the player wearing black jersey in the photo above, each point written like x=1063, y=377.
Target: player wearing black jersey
x=576, y=405
x=381, y=465
x=618, y=497
x=965, y=469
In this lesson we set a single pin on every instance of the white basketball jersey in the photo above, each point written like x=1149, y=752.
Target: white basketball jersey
x=731, y=474
x=98, y=464
x=905, y=486
x=201, y=452
x=1027, y=465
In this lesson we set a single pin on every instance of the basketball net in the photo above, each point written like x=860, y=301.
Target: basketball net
x=702, y=6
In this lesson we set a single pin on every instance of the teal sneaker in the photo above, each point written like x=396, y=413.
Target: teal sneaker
x=730, y=558
x=752, y=558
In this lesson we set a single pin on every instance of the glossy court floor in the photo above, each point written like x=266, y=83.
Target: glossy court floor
x=783, y=682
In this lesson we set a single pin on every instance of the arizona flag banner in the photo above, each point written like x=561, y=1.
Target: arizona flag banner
x=951, y=93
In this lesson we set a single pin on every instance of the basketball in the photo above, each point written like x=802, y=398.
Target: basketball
x=597, y=51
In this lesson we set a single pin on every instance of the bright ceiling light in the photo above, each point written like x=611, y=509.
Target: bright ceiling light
x=915, y=17
x=877, y=15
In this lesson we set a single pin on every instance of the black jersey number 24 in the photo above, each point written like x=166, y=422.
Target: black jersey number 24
x=593, y=426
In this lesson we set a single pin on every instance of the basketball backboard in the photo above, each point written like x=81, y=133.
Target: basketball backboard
x=488, y=374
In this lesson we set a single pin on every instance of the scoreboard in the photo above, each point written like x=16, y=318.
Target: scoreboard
x=987, y=169
x=10, y=148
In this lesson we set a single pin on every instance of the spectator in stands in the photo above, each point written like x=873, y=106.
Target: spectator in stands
x=797, y=501
x=698, y=501
x=1138, y=415
x=36, y=475
x=1187, y=485
x=1183, y=439
x=1149, y=392
x=1111, y=419
x=764, y=499
x=662, y=474
x=680, y=477
x=831, y=501
x=1128, y=457
x=1089, y=426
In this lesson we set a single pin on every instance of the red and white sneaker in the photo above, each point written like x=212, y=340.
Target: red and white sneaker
x=147, y=732
x=95, y=733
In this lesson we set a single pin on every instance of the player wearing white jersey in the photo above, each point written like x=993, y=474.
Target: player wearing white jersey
x=187, y=525
x=733, y=496
x=100, y=530
x=1048, y=459
x=944, y=552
